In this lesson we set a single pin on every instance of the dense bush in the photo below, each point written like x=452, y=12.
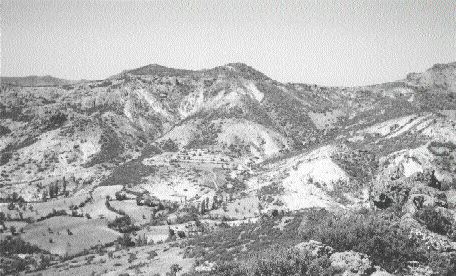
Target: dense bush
x=239, y=242
x=277, y=261
x=377, y=234
x=55, y=121
x=434, y=221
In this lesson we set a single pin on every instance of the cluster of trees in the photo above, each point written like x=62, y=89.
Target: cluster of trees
x=123, y=224
x=55, y=190
x=169, y=145
x=55, y=213
x=12, y=228
x=14, y=198
x=172, y=234
x=125, y=240
x=15, y=245
x=204, y=206
x=112, y=209
x=120, y=195
x=12, y=264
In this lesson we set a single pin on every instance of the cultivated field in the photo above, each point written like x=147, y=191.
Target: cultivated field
x=54, y=235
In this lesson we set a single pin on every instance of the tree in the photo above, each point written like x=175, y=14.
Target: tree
x=45, y=261
x=275, y=213
x=207, y=203
x=214, y=203
x=64, y=185
x=125, y=240
x=13, y=230
x=15, y=197
x=131, y=257
x=138, y=201
x=45, y=195
x=181, y=234
x=203, y=208
x=120, y=195
x=171, y=232
x=141, y=240
x=152, y=254
x=56, y=189
x=53, y=190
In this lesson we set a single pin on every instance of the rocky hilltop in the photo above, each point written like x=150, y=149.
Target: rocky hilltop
x=34, y=81
x=160, y=145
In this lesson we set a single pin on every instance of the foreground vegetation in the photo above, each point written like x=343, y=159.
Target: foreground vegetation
x=269, y=251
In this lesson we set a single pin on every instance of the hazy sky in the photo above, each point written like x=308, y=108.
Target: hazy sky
x=323, y=42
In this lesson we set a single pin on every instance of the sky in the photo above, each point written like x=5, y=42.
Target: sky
x=342, y=43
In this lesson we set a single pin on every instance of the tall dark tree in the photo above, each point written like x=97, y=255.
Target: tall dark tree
x=203, y=208
x=64, y=185
x=45, y=195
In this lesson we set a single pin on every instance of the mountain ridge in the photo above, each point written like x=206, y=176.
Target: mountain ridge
x=159, y=70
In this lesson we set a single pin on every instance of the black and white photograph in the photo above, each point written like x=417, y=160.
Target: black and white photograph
x=228, y=138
